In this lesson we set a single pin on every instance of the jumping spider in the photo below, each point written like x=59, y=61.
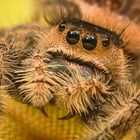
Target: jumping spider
x=80, y=65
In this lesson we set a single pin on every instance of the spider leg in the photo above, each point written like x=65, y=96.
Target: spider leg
x=124, y=119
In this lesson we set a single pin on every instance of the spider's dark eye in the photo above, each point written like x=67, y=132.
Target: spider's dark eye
x=89, y=42
x=62, y=27
x=73, y=37
x=105, y=41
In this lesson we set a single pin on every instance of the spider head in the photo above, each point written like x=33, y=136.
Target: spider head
x=86, y=61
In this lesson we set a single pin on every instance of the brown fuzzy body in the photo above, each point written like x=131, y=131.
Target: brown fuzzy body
x=40, y=66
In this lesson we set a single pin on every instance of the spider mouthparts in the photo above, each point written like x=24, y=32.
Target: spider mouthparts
x=44, y=112
x=68, y=116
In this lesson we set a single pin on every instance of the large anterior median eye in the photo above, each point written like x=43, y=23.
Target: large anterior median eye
x=89, y=42
x=73, y=37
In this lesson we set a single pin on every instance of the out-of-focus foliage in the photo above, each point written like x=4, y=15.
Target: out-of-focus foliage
x=14, y=12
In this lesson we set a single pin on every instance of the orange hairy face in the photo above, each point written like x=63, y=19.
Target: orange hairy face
x=91, y=56
x=86, y=44
x=86, y=60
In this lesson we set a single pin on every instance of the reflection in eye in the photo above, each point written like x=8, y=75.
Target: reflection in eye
x=89, y=42
x=73, y=37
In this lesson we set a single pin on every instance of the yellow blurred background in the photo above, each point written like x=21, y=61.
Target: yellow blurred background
x=14, y=12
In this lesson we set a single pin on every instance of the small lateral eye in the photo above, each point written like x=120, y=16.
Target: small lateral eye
x=62, y=27
x=73, y=37
x=105, y=41
x=89, y=42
